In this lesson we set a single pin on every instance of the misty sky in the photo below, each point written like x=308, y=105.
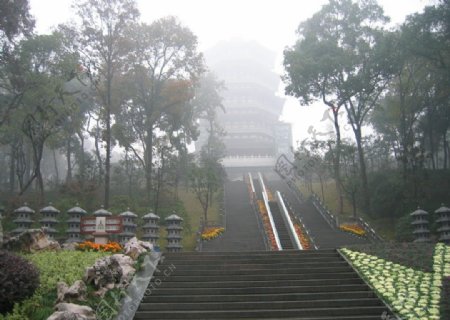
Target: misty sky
x=270, y=22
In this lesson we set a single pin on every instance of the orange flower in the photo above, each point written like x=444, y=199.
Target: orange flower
x=302, y=236
x=91, y=246
x=353, y=228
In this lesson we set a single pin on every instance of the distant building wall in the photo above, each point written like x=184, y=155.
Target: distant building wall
x=254, y=135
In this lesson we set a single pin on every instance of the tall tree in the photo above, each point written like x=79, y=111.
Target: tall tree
x=165, y=70
x=101, y=40
x=341, y=58
x=15, y=22
x=46, y=105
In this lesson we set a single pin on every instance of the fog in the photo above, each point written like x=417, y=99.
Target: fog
x=272, y=23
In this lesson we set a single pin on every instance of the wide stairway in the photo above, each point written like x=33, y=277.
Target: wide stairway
x=291, y=284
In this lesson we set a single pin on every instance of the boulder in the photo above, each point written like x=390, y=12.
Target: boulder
x=71, y=311
x=110, y=272
x=31, y=240
x=70, y=246
x=134, y=247
x=75, y=292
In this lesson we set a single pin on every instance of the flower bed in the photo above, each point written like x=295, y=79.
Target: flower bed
x=267, y=226
x=303, y=237
x=353, y=228
x=113, y=247
x=413, y=294
x=212, y=233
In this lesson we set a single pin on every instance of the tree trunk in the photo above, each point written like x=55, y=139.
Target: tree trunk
x=55, y=164
x=321, y=188
x=97, y=152
x=108, y=149
x=69, y=161
x=445, y=146
x=354, y=203
x=363, y=170
x=337, y=160
x=12, y=169
x=148, y=159
x=82, y=166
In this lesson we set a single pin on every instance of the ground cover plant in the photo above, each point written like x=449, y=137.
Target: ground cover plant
x=53, y=267
x=412, y=293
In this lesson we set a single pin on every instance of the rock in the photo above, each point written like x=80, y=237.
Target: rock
x=134, y=247
x=76, y=292
x=71, y=246
x=71, y=311
x=127, y=265
x=31, y=240
x=111, y=272
x=66, y=315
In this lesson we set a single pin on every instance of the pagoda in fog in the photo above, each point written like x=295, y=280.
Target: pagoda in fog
x=254, y=135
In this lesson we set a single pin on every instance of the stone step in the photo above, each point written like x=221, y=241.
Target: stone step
x=263, y=313
x=227, y=266
x=247, y=284
x=265, y=260
x=251, y=254
x=261, y=277
x=310, y=296
x=260, y=270
x=162, y=290
x=215, y=306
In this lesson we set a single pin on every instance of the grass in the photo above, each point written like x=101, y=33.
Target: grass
x=194, y=212
x=383, y=226
x=66, y=266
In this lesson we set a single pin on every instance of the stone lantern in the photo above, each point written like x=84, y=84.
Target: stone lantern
x=443, y=220
x=420, y=225
x=129, y=226
x=73, y=223
x=174, y=228
x=23, y=221
x=49, y=220
x=151, y=228
x=102, y=212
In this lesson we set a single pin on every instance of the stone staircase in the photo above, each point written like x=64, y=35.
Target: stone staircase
x=280, y=225
x=317, y=284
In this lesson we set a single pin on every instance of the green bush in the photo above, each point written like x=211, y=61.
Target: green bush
x=66, y=266
x=19, y=279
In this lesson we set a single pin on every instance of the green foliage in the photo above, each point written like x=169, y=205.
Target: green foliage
x=404, y=229
x=414, y=255
x=67, y=266
x=19, y=280
x=445, y=298
x=387, y=194
x=413, y=294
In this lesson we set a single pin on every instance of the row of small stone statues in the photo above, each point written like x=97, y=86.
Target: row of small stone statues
x=420, y=224
x=150, y=229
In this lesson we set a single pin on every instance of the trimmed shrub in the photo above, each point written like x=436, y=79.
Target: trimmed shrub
x=18, y=280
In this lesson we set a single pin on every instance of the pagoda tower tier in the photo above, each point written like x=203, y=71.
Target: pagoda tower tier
x=443, y=220
x=419, y=222
x=49, y=220
x=151, y=228
x=174, y=233
x=129, y=226
x=24, y=219
x=73, y=224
